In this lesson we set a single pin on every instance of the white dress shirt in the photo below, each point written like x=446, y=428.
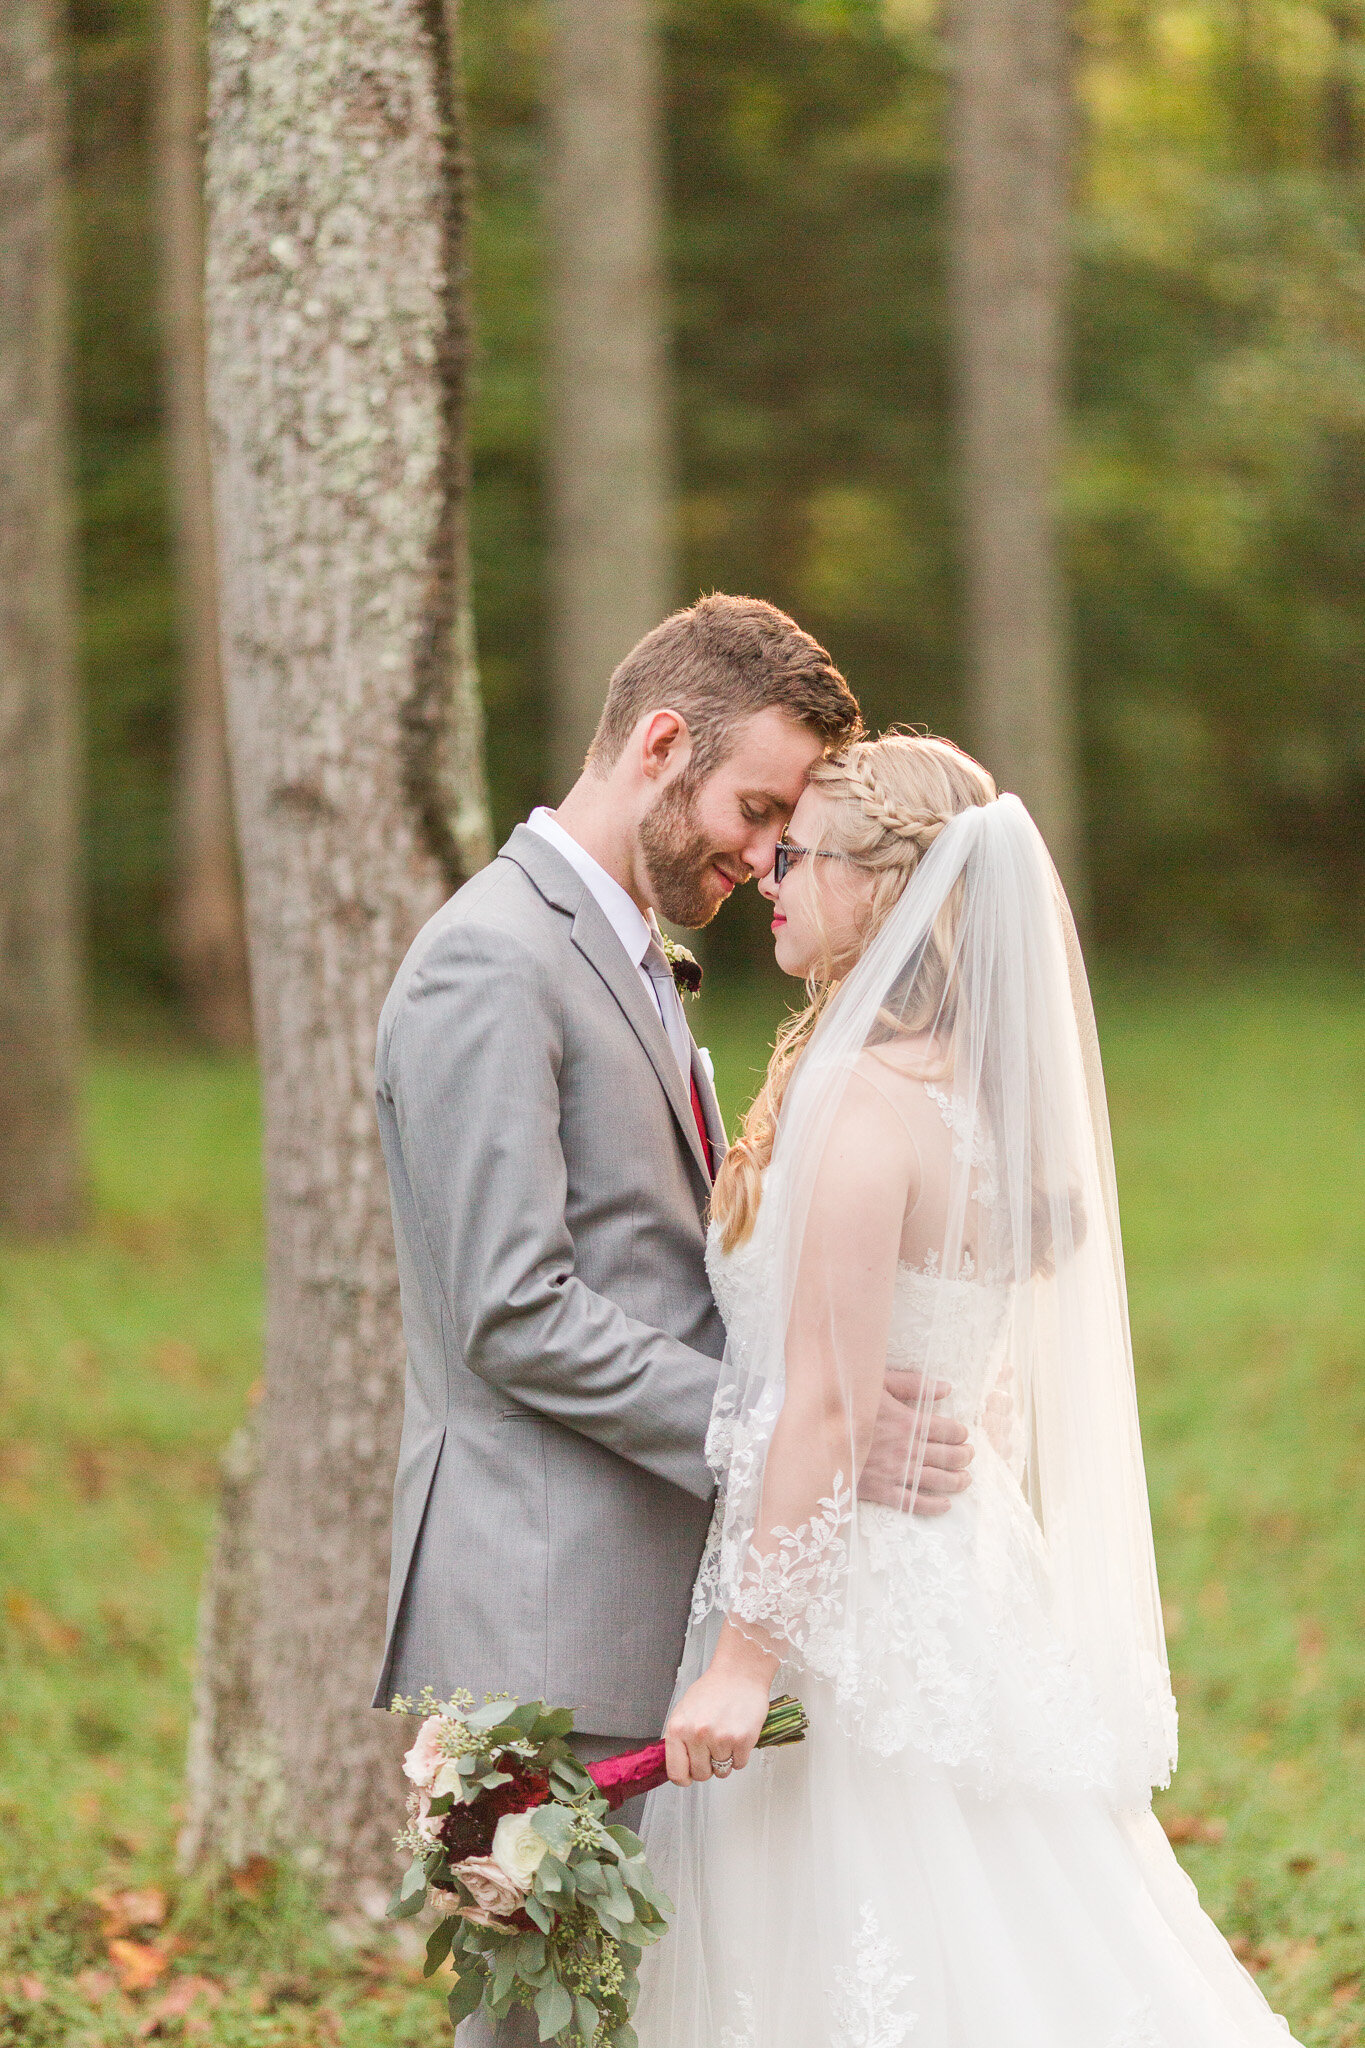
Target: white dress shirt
x=637, y=933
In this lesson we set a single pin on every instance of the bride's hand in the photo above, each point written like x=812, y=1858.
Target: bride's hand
x=722, y=1714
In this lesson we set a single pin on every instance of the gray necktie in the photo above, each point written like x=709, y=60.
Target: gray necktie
x=655, y=964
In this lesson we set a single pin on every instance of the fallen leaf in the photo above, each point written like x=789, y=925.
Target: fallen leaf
x=90, y=1471
x=252, y=1877
x=121, y=1912
x=1301, y=1865
x=138, y=1963
x=33, y=1988
x=24, y=1615
x=176, y=2001
x=1249, y=1953
x=1295, y=1956
x=95, y=1984
x=1344, y=1991
x=176, y=1361
x=1193, y=1827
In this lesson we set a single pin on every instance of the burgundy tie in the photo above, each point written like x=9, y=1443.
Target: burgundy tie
x=701, y=1126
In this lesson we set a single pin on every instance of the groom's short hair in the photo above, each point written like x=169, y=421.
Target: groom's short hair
x=716, y=664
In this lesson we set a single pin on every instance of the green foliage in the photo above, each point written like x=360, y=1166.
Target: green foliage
x=127, y=637
x=1214, y=504
x=1216, y=498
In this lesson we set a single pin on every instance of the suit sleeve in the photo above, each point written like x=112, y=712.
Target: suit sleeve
x=472, y=1071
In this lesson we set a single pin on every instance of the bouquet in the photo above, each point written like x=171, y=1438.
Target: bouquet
x=543, y=1904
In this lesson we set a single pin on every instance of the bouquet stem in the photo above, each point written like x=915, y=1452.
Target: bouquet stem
x=619, y=1778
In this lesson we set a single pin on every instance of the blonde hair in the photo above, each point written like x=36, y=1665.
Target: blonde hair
x=889, y=800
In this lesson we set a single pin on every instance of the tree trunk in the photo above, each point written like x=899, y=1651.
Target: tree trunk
x=40, y=1172
x=610, y=549
x=209, y=937
x=1009, y=150
x=337, y=356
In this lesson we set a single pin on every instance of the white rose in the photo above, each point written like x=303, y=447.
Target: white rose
x=517, y=1848
x=447, y=1779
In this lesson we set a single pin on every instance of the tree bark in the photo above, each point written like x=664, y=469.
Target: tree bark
x=209, y=935
x=610, y=547
x=1010, y=126
x=337, y=358
x=40, y=1169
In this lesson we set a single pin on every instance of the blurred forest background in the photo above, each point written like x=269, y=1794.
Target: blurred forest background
x=1214, y=492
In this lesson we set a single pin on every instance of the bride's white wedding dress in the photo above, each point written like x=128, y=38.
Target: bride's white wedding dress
x=951, y=1867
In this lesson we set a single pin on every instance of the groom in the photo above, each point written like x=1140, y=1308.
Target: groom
x=551, y=1135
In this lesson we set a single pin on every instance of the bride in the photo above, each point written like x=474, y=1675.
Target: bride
x=963, y=1850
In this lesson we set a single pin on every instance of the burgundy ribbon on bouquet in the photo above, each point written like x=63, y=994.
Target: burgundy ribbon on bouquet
x=619, y=1778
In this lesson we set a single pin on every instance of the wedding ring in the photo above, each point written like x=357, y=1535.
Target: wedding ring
x=721, y=1766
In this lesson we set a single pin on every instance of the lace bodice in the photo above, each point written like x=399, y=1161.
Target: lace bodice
x=964, y=1315
x=956, y=1318
x=957, y=1660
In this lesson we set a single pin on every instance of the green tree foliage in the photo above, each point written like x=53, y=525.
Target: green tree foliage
x=1217, y=492
x=127, y=632
x=1215, y=497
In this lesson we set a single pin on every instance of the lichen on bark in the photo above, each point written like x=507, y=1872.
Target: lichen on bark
x=337, y=352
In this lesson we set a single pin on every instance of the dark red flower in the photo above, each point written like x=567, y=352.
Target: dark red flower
x=468, y=1830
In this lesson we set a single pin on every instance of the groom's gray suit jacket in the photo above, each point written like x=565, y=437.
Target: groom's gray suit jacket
x=548, y=1192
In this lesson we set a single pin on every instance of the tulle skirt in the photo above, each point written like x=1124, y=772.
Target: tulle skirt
x=828, y=1899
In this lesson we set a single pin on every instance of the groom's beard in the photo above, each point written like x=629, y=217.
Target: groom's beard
x=679, y=860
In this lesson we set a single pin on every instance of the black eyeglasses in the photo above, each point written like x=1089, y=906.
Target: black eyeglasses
x=789, y=853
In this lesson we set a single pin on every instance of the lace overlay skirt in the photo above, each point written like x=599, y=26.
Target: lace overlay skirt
x=942, y=1861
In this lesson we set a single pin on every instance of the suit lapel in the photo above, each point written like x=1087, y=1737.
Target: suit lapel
x=599, y=945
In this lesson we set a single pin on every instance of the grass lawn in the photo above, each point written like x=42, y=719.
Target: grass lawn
x=127, y=1356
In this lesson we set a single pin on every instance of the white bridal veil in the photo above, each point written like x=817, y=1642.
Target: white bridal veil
x=946, y=1131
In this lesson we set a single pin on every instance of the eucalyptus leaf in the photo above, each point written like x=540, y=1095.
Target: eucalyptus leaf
x=530, y=1952
x=466, y=1993
x=483, y=1720
x=542, y=1915
x=586, y=2015
x=438, y=1946
x=403, y=1907
x=554, y=2011
x=554, y=1824
x=505, y=1969
x=525, y=1717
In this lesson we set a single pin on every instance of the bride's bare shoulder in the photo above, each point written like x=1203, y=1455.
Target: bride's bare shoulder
x=902, y=1062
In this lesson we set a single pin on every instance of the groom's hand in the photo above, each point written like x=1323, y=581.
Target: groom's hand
x=947, y=1453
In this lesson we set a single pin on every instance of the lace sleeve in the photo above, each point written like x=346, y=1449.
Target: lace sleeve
x=835, y=1364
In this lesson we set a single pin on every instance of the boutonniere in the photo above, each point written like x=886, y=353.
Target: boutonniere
x=686, y=967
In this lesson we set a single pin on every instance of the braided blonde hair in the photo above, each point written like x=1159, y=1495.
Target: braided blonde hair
x=889, y=799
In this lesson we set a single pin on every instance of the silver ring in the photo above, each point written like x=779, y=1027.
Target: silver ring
x=721, y=1766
